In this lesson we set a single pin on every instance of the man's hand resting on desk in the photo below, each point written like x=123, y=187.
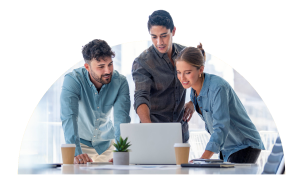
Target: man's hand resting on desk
x=188, y=111
x=82, y=159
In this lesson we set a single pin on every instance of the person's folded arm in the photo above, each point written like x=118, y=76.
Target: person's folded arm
x=143, y=82
x=70, y=95
x=121, y=108
x=221, y=120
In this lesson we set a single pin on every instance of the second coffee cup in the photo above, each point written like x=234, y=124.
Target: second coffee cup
x=182, y=151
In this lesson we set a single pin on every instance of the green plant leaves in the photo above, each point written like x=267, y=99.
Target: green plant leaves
x=122, y=145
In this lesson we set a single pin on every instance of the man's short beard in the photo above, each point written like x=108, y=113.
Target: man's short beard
x=99, y=79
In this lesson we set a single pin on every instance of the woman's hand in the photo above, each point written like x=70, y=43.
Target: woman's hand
x=188, y=111
x=191, y=161
x=207, y=154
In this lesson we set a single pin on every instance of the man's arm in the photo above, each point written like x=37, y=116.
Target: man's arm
x=121, y=108
x=69, y=98
x=143, y=82
x=144, y=113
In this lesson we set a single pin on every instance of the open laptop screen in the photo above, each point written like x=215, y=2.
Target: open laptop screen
x=152, y=143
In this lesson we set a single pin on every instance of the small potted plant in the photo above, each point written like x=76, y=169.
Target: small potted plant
x=121, y=153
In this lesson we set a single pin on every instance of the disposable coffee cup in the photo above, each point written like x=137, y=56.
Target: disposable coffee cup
x=182, y=151
x=68, y=153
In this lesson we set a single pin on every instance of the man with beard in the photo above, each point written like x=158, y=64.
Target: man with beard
x=87, y=97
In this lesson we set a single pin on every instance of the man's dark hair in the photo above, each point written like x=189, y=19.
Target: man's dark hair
x=96, y=49
x=162, y=18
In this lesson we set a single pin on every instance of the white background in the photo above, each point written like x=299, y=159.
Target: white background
x=40, y=40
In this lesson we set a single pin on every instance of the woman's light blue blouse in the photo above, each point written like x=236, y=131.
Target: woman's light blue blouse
x=225, y=118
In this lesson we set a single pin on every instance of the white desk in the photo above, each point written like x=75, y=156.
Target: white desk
x=174, y=169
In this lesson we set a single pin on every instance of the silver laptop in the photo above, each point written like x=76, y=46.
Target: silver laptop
x=152, y=143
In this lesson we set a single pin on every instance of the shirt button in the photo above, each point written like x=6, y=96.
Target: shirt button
x=96, y=93
x=94, y=136
x=96, y=129
x=97, y=107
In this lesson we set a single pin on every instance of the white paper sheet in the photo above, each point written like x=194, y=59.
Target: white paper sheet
x=129, y=167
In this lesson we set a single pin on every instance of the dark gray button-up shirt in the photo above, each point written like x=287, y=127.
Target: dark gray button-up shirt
x=157, y=85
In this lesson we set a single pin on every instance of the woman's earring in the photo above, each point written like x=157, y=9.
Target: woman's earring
x=200, y=75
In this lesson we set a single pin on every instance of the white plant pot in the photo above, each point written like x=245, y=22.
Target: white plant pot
x=121, y=158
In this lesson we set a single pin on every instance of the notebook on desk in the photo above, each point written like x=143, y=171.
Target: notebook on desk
x=152, y=143
x=209, y=165
x=208, y=160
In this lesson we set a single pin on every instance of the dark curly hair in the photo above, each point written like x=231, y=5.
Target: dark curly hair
x=96, y=49
x=162, y=18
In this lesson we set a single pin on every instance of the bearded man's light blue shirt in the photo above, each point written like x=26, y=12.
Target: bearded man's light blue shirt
x=85, y=112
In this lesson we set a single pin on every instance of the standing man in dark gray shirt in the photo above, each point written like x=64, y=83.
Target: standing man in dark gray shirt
x=159, y=95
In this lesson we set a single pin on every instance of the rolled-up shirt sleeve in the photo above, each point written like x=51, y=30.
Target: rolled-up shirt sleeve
x=70, y=95
x=121, y=108
x=143, y=81
x=221, y=120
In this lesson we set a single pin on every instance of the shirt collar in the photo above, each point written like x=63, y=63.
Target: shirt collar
x=204, y=90
x=87, y=76
x=206, y=84
x=174, y=51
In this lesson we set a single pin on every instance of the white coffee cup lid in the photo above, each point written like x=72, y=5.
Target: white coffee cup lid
x=68, y=145
x=182, y=145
